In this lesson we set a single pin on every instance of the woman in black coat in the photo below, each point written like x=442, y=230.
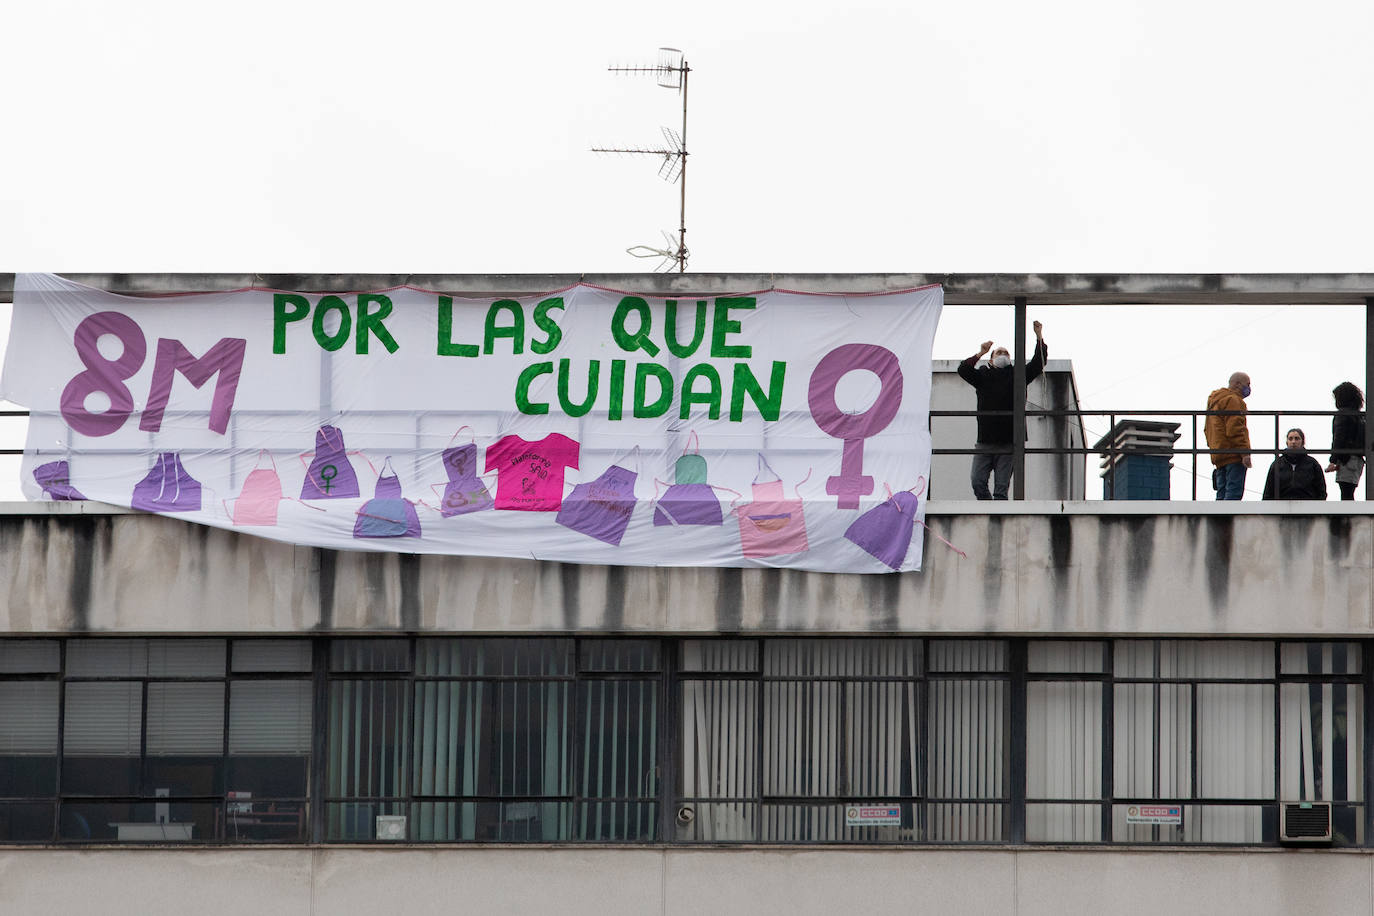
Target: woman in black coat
x=1347, y=438
x=1295, y=474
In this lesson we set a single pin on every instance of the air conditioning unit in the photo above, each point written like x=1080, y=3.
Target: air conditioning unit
x=1304, y=822
x=391, y=826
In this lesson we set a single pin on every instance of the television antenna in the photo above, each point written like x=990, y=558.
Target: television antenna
x=670, y=73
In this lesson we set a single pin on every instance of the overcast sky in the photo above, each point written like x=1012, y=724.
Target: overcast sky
x=872, y=136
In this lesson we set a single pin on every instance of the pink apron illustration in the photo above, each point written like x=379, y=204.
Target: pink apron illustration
x=167, y=487
x=690, y=500
x=387, y=514
x=531, y=473
x=330, y=475
x=257, y=501
x=601, y=508
x=55, y=479
x=885, y=530
x=465, y=492
x=772, y=525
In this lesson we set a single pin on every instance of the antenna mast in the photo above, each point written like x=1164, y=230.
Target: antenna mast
x=671, y=73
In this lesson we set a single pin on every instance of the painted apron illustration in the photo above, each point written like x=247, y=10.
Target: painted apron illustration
x=330, y=474
x=56, y=480
x=885, y=531
x=465, y=492
x=387, y=514
x=257, y=502
x=772, y=525
x=601, y=508
x=690, y=500
x=167, y=487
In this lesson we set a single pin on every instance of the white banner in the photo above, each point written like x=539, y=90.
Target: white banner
x=583, y=425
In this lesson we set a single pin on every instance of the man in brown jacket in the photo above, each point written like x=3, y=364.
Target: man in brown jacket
x=1229, y=433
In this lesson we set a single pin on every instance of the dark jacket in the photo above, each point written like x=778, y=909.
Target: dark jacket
x=1347, y=435
x=996, y=390
x=1295, y=475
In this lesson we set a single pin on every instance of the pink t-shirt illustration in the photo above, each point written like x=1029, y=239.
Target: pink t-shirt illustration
x=531, y=473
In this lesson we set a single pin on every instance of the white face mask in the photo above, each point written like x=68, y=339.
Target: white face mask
x=1001, y=362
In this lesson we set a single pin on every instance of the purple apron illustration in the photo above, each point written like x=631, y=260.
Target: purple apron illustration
x=167, y=487
x=387, y=514
x=885, y=530
x=602, y=507
x=330, y=475
x=464, y=491
x=55, y=479
x=257, y=501
x=690, y=500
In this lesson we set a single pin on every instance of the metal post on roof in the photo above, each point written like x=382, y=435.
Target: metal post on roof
x=1018, y=401
x=1368, y=387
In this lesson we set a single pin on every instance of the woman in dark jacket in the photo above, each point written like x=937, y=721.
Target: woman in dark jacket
x=1295, y=474
x=1347, y=438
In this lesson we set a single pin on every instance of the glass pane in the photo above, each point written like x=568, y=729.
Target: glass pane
x=28, y=656
x=726, y=655
x=270, y=717
x=620, y=655
x=965, y=823
x=1320, y=658
x=1230, y=658
x=26, y=822
x=367, y=738
x=259, y=820
x=619, y=740
x=883, y=738
x=493, y=822
x=1235, y=726
x=829, y=823
x=1134, y=658
x=718, y=823
x=186, y=657
x=1203, y=824
x=369, y=655
x=1063, y=823
x=1321, y=735
x=1064, y=657
x=103, y=719
x=139, y=822
x=842, y=658
x=618, y=821
x=719, y=740
x=28, y=719
x=272, y=655
x=1063, y=741
x=1153, y=741
x=494, y=657
x=969, y=731
x=186, y=719
x=968, y=655
x=107, y=657
x=356, y=822
x=801, y=738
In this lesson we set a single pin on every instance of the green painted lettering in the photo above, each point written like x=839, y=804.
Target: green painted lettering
x=593, y=379
x=338, y=338
x=370, y=323
x=617, y=395
x=644, y=409
x=547, y=325
x=286, y=307
x=711, y=397
x=639, y=339
x=724, y=325
x=446, y=346
x=522, y=388
x=515, y=330
x=769, y=404
x=680, y=350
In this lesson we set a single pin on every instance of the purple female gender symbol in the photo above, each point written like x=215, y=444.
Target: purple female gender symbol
x=851, y=483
